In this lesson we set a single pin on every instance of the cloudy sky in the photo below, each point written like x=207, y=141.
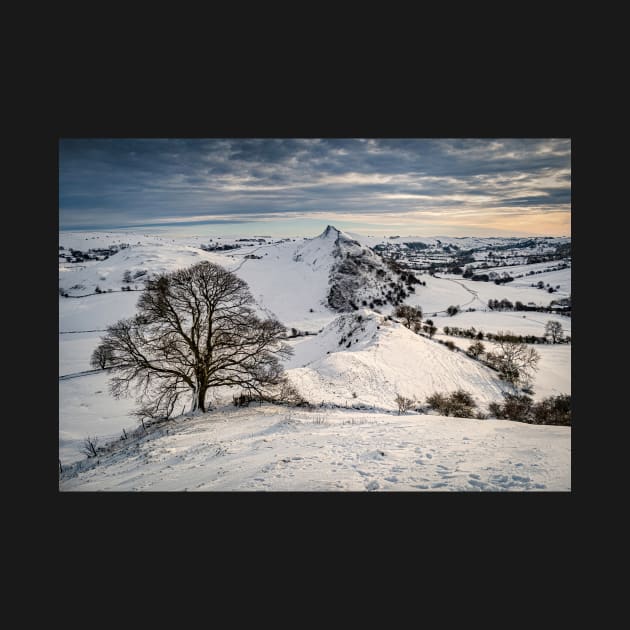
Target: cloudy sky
x=285, y=187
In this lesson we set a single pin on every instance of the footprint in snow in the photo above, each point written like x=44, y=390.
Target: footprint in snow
x=373, y=485
x=519, y=478
x=429, y=455
x=500, y=479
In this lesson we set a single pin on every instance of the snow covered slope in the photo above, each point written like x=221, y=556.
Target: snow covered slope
x=359, y=276
x=364, y=358
x=291, y=279
x=140, y=260
x=300, y=282
x=276, y=448
x=87, y=409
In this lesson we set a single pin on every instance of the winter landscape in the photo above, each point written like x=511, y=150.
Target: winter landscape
x=340, y=353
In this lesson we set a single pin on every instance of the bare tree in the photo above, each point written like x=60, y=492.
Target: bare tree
x=429, y=328
x=516, y=361
x=409, y=314
x=195, y=330
x=90, y=445
x=404, y=404
x=101, y=356
x=475, y=349
x=553, y=329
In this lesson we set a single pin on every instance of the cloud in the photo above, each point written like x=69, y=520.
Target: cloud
x=124, y=182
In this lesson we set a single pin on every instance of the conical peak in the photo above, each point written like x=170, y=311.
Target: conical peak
x=330, y=232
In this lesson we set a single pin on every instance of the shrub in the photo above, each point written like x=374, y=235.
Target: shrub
x=462, y=404
x=409, y=314
x=242, y=400
x=283, y=393
x=452, y=310
x=90, y=446
x=404, y=403
x=450, y=345
x=459, y=404
x=289, y=395
x=495, y=410
x=437, y=401
x=553, y=410
x=462, y=397
x=476, y=349
x=517, y=407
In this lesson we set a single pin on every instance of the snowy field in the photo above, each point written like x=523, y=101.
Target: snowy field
x=87, y=409
x=519, y=289
x=529, y=323
x=445, y=290
x=350, y=362
x=276, y=448
x=553, y=376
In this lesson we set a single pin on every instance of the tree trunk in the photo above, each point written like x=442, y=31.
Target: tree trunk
x=201, y=399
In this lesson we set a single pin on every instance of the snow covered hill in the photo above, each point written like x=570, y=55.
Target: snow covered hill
x=130, y=266
x=359, y=276
x=364, y=358
x=335, y=285
x=304, y=282
x=278, y=448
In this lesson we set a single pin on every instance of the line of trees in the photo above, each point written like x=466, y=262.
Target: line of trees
x=562, y=305
x=554, y=333
x=553, y=410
